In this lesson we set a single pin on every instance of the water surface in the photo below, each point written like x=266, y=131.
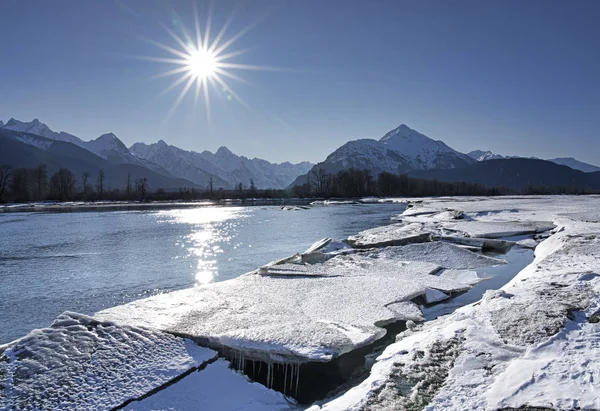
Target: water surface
x=88, y=261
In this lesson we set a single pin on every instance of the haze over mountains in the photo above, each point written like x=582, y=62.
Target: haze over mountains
x=400, y=151
x=177, y=168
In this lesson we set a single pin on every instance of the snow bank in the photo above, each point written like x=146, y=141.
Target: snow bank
x=534, y=343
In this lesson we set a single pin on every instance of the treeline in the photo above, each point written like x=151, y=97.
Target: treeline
x=354, y=183
x=361, y=183
x=36, y=184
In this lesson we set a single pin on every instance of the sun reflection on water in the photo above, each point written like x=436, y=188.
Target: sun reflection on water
x=210, y=227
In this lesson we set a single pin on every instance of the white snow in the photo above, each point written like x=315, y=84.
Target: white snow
x=80, y=363
x=533, y=343
x=44, y=144
x=292, y=312
x=443, y=254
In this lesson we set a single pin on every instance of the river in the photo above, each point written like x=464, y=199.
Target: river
x=88, y=261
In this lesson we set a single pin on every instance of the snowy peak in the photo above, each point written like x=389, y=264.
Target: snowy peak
x=224, y=152
x=32, y=127
x=480, y=155
x=402, y=131
x=422, y=152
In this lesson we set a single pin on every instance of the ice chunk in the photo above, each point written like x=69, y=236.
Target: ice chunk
x=394, y=234
x=462, y=276
x=81, y=363
x=434, y=296
x=488, y=229
x=443, y=254
x=318, y=245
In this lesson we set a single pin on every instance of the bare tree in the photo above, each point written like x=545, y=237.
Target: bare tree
x=40, y=180
x=210, y=185
x=141, y=185
x=252, y=188
x=6, y=172
x=100, y=183
x=320, y=180
x=62, y=184
x=128, y=186
x=20, y=184
x=84, y=183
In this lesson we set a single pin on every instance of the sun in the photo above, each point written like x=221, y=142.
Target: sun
x=201, y=64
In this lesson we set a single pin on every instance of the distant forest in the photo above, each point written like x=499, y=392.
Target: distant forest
x=35, y=184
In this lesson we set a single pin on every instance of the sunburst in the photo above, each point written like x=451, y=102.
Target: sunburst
x=203, y=63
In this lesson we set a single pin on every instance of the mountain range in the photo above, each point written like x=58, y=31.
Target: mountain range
x=575, y=164
x=402, y=150
x=165, y=166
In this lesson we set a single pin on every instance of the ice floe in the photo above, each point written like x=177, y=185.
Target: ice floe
x=81, y=363
x=293, y=312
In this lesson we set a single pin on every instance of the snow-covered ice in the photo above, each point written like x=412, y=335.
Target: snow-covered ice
x=81, y=363
x=534, y=343
x=293, y=312
x=394, y=234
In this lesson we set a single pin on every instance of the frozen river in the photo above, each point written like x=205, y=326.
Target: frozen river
x=85, y=262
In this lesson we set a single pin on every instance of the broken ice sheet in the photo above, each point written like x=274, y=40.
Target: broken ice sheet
x=443, y=254
x=81, y=363
x=314, y=315
x=394, y=234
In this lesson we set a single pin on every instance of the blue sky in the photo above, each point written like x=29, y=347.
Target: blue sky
x=514, y=77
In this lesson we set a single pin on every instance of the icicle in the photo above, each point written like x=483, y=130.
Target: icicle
x=268, y=375
x=297, y=379
x=285, y=369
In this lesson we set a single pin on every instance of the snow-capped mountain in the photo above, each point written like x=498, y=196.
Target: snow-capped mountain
x=41, y=129
x=421, y=152
x=365, y=154
x=575, y=164
x=399, y=151
x=108, y=146
x=226, y=168
x=223, y=168
x=481, y=155
x=176, y=161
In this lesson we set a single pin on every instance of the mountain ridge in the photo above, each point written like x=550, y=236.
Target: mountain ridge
x=109, y=147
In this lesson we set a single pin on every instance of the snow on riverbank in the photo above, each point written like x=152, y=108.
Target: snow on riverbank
x=533, y=343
